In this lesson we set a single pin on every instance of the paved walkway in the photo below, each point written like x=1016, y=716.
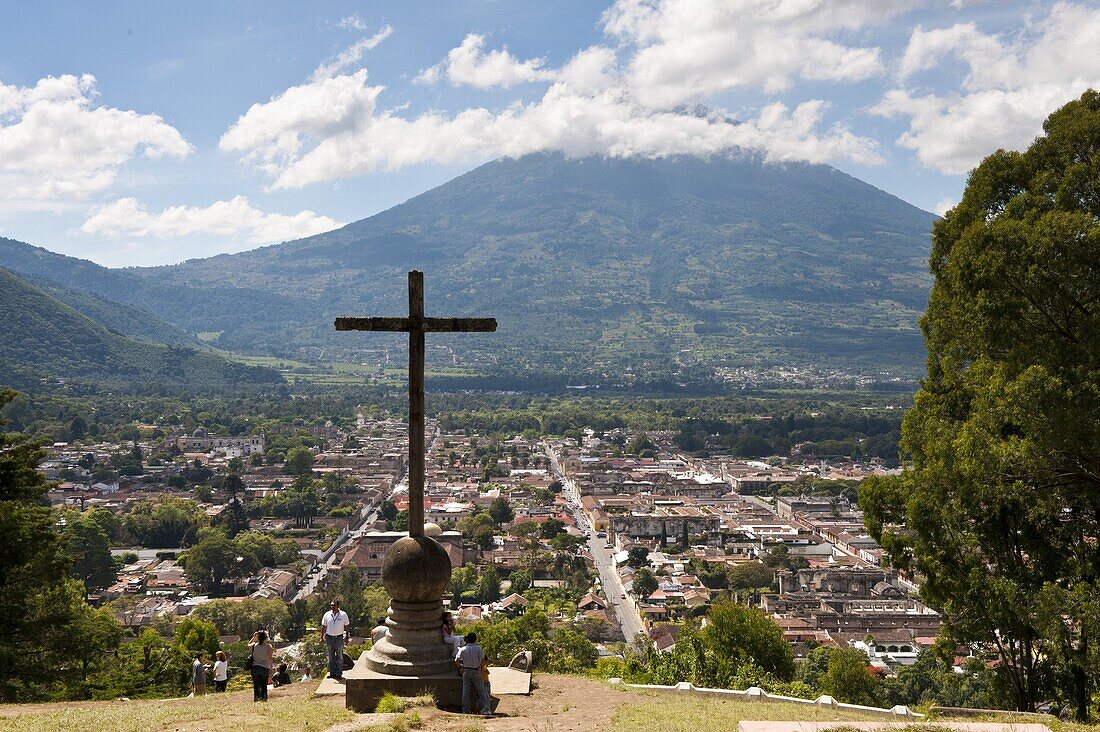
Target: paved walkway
x=770, y=726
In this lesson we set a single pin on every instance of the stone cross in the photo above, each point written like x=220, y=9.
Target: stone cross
x=416, y=325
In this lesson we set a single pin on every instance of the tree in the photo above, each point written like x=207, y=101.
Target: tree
x=348, y=589
x=77, y=427
x=89, y=550
x=848, y=679
x=478, y=528
x=298, y=617
x=93, y=635
x=749, y=635
x=35, y=590
x=266, y=550
x=501, y=511
x=299, y=461
x=463, y=579
x=245, y=617
x=521, y=580
x=645, y=584
x=750, y=576
x=216, y=559
x=194, y=635
x=165, y=523
x=488, y=586
x=1000, y=509
x=550, y=528
x=637, y=557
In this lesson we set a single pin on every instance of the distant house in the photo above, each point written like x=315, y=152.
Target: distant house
x=513, y=605
x=591, y=602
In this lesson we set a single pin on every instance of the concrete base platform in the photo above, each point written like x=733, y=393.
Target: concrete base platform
x=329, y=687
x=363, y=688
x=505, y=681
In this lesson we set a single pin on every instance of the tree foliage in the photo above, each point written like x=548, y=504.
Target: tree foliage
x=1001, y=508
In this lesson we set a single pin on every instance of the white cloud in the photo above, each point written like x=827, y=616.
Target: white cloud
x=351, y=56
x=236, y=218
x=352, y=22
x=944, y=205
x=469, y=65
x=1012, y=84
x=685, y=50
x=56, y=144
x=331, y=129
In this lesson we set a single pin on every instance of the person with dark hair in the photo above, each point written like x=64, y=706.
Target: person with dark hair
x=334, y=627
x=379, y=631
x=221, y=671
x=281, y=677
x=261, y=654
x=198, y=676
x=449, y=633
x=471, y=662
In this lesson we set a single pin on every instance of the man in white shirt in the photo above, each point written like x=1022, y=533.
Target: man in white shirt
x=334, y=627
x=471, y=663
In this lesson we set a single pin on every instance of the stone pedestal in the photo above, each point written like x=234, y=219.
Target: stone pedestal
x=413, y=645
x=412, y=657
x=364, y=687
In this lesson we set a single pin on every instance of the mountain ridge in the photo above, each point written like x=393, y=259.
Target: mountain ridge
x=591, y=265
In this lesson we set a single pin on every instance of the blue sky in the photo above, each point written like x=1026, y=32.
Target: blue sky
x=148, y=133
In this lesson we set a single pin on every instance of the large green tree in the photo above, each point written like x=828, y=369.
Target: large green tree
x=89, y=550
x=46, y=627
x=1000, y=509
x=749, y=635
x=217, y=559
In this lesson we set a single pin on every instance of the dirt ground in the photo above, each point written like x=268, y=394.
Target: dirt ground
x=556, y=704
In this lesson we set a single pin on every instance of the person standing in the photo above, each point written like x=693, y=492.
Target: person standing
x=198, y=676
x=262, y=655
x=470, y=660
x=221, y=671
x=334, y=627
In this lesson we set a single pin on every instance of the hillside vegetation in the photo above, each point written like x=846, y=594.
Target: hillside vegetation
x=43, y=337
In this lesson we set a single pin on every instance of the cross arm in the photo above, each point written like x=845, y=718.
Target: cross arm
x=395, y=324
x=433, y=325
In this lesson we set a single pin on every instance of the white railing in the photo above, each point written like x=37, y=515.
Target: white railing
x=755, y=693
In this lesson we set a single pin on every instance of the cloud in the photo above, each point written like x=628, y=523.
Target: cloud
x=469, y=65
x=236, y=218
x=56, y=144
x=1013, y=82
x=352, y=22
x=351, y=56
x=685, y=50
x=335, y=129
x=944, y=205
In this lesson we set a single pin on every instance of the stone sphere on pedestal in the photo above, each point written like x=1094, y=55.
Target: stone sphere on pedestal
x=432, y=530
x=415, y=572
x=416, y=569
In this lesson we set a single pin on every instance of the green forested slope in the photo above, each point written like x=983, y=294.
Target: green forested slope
x=43, y=337
x=120, y=317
